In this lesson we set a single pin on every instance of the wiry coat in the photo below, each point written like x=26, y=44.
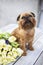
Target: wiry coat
x=25, y=31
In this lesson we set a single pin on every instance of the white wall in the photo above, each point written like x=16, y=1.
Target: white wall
x=41, y=17
x=10, y=9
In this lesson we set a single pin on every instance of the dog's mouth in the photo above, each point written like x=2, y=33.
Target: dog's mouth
x=28, y=22
x=28, y=25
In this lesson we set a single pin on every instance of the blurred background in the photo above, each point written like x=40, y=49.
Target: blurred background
x=10, y=9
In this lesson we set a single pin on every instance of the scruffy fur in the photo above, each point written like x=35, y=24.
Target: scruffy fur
x=25, y=31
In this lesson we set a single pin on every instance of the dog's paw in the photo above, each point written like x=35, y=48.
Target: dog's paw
x=24, y=54
x=31, y=48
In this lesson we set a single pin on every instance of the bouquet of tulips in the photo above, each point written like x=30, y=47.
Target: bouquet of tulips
x=9, y=49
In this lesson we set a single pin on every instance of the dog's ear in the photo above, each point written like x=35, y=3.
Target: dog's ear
x=33, y=14
x=18, y=18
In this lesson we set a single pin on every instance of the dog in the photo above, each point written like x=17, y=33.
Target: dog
x=25, y=31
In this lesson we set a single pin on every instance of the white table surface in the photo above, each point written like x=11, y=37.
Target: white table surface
x=31, y=55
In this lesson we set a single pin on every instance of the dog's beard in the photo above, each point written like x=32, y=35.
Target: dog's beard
x=28, y=25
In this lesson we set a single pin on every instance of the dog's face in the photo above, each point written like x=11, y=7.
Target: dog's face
x=26, y=20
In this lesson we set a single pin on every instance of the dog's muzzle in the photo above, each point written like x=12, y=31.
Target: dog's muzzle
x=27, y=22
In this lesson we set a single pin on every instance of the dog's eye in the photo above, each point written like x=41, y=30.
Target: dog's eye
x=23, y=17
x=30, y=15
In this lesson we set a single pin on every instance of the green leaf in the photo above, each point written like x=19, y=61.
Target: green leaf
x=15, y=44
x=5, y=35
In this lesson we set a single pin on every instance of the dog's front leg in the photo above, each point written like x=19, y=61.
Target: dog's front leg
x=23, y=47
x=30, y=45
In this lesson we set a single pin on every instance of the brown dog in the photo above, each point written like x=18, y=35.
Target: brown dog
x=25, y=31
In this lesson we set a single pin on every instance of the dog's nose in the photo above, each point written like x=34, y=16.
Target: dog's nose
x=27, y=22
